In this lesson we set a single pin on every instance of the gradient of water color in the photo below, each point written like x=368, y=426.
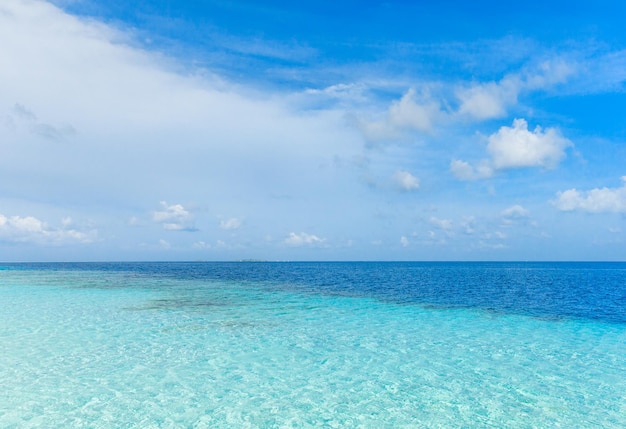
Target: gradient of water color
x=379, y=345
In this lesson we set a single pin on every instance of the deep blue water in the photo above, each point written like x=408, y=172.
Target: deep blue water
x=552, y=290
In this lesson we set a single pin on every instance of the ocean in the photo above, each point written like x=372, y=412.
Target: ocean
x=317, y=344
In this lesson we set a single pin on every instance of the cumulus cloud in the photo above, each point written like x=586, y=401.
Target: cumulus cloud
x=406, y=181
x=598, y=200
x=516, y=147
x=303, y=239
x=514, y=215
x=409, y=114
x=515, y=212
x=489, y=100
x=174, y=218
x=29, y=229
x=231, y=224
x=422, y=110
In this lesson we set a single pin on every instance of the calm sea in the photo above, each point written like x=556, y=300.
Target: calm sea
x=298, y=345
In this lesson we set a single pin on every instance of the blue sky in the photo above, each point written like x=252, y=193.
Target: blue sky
x=220, y=130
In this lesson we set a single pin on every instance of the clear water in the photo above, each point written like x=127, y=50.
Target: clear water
x=262, y=345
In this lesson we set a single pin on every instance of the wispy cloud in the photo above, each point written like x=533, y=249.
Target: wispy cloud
x=21, y=117
x=493, y=99
x=201, y=245
x=260, y=47
x=303, y=239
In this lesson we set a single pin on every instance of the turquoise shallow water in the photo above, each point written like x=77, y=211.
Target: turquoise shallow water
x=124, y=348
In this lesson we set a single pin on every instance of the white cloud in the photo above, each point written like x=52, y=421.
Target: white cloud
x=489, y=100
x=515, y=147
x=303, y=239
x=406, y=181
x=350, y=93
x=514, y=214
x=424, y=108
x=230, y=224
x=495, y=246
x=550, y=73
x=174, y=218
x=404, y=242
x=443, y=224
x=410, y=113
x=29, y=229
x=200, y=245
x=164, y=244
x=378, y=131
x=598, y=200
x=465, y=171
x=155, y=123
x=496, y=235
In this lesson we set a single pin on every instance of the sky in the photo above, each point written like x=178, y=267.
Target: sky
x=314, y=130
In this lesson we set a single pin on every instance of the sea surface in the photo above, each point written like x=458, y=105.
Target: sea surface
x=299, y=345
